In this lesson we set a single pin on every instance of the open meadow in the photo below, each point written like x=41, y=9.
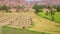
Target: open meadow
x=40, y=25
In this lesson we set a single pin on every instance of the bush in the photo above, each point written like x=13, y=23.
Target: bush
x=58, y=8
x=37, y=8
x=4, y=8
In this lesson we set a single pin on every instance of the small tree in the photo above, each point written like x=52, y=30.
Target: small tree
x=58, y=8
x=22, y=7
x=18, y=8
x=46, y=13
x=0, y=8
x=5, y=8
x=37, y=8
x=52, y=15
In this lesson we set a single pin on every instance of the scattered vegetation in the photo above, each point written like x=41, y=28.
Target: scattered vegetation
x=4, y=8
x=56, y=17
x=52, y=14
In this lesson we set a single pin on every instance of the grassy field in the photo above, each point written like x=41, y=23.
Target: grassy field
x=40, y=25
x=9, y=30
x=56, y=16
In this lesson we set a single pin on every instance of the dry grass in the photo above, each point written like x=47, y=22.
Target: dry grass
x=44, y=25
x=40, y=24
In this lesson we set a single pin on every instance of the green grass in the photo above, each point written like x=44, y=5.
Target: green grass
x=56, y=16
x=9, y=30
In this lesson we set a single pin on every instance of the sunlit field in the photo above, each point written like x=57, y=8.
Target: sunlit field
x=40, y=25
x=56, y=16
x=30, y=20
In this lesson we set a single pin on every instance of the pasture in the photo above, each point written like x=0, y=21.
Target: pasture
x=40, y=24
x=56, y=16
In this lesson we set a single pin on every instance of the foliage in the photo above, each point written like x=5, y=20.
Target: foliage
x=56, y=17
x=20, y=7
x=58, y=8
x=4, y=8
x=37, y=8
x=0, y=7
